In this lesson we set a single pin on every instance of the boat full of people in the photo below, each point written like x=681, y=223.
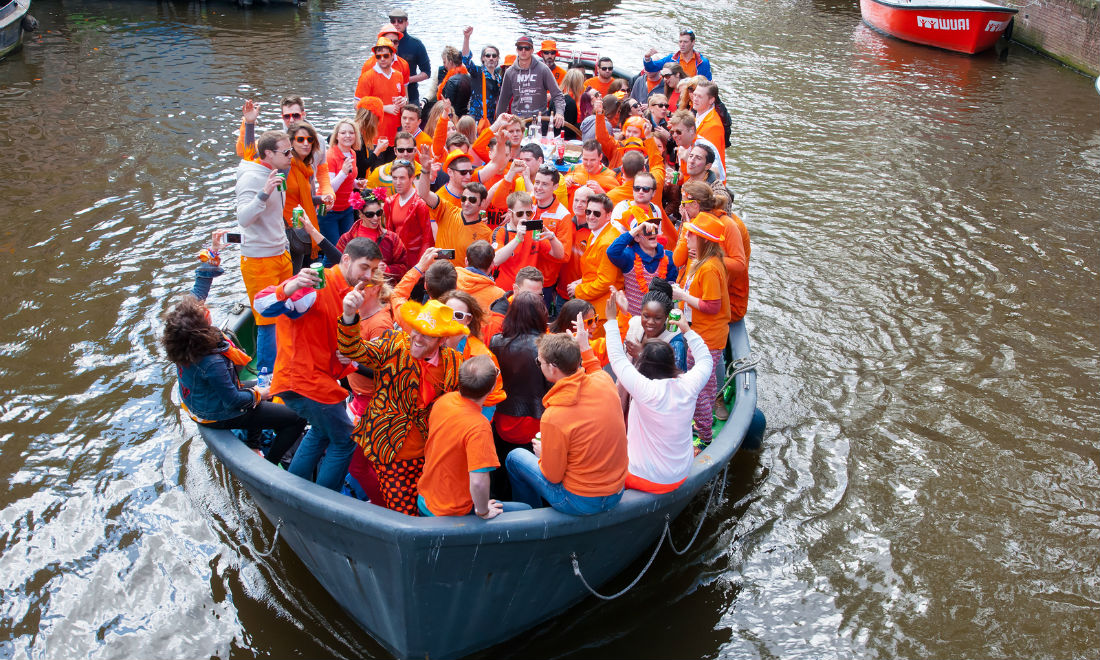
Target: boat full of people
x=494, y=342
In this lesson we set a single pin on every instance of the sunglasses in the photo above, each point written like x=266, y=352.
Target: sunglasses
x=292, y=116
x=522, y=48
x=658, y=105
x=549, y=52
x=607, y=68
x=686, y=200
x=462, y=316
x=643, y=188
x=383, y=54
x=543, y=363
x=464, y=172
x=404, y=150
x=666, y=75
x=594, y=213
x=523, y=214
x=303, y=139
x=490, y=56
x=371, y=214
x=472, y=199
x=401, y=162
x=398, y=20
x=590, y=323
x=287, y=152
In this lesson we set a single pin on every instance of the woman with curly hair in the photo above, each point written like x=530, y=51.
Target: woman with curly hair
x=370, y=224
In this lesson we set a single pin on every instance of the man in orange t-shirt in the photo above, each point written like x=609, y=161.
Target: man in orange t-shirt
x=515, y=246
x=456, y=226
x=386, y=84
x=459, y=453
x=555, y=218
x=602, y=80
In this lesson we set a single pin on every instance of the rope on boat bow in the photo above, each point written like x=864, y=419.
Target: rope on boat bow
x=666, y=533
x=274, y=541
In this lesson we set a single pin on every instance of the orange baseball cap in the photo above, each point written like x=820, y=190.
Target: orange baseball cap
x=454, y=155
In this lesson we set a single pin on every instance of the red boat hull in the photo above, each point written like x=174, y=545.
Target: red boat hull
x=963, y=29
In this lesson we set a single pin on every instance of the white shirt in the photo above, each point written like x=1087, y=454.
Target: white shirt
x=658, y=426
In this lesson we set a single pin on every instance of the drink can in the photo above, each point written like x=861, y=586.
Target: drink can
x=322, y=209
x=536, y=235
x=675, y=177
x=673, y=316
x=320, y=268
x=282, y=183
x=296, y=218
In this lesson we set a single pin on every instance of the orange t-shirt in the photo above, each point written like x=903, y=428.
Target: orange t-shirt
x=454, y=233
x=558, y=219
x=709, y=283
x=526, y=254
x=460, y=441
x=600, y=86
x=384, y=89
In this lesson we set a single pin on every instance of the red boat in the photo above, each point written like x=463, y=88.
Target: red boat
x=964, y=26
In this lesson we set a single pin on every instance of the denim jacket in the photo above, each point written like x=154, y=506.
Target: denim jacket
x=211, y=388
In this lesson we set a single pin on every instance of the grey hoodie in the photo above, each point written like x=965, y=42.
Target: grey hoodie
x=264, y=232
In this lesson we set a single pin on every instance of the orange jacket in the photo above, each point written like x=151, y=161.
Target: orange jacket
x=583, y=447
x=598, y=274
x=474, y=346
x=711, y=129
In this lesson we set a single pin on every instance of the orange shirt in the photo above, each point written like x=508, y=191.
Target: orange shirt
x=583, y=447
x=600, y=86
x=526, y=254
x=399, y=64
x=460, y=441
x=558, y=219
x=384, y=88
x=735, y=261
x=559, y=73
x=709, y=283
x=454, y=232
x=606, y=177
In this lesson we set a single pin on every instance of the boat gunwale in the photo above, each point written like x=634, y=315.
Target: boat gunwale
x=932, y=7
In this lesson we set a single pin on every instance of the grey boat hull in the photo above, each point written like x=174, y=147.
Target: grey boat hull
x=446, y=587
x=12, y=17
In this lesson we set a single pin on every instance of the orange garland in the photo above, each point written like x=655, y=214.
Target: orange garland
x=639, y=277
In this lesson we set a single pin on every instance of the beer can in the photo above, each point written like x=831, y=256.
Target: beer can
x=282, y=183
x=673, y=316
x=296, y=218
x=320, y=268
x=536, y=235
x=321, y=209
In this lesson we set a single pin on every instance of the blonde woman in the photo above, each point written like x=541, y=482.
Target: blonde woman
x=343, y=144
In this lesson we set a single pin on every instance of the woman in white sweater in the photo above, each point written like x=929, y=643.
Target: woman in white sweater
x=658, y=427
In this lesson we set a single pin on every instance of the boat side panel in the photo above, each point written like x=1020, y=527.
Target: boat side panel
x=964, y=31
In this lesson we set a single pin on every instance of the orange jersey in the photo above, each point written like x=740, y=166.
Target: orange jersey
x=454, y=233
x=558, y=219
x=385, y=89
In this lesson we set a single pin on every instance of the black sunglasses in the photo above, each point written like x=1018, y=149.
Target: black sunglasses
x=607, y=68
x=597, y=213
x=371, y=214
x=658, y=105
x=404, y=150
x=472, y=199
x=463, y=172
x=523, y=214
x=643, y=188
x=525, y=48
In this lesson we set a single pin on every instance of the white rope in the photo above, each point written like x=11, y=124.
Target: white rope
x=702, y=519
x=274, y=541
x=577, y=570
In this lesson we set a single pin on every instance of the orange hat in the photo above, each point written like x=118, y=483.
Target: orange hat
x=708, y=226
x=454, y=155
x=548, y=45
x=432, y=318
x=384, y=43
x=372, y=103
x=388, y=28
x=636, y=122
x=509, y=60
x=621, y=94
x=638, y=215
x=632, y=144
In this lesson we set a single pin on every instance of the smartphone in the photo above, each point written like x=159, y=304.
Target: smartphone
x=232, y=238
x=445, y=254
x=532, y=225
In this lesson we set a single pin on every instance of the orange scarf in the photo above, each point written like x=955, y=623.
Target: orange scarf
x=461, y=68
x=299, y=192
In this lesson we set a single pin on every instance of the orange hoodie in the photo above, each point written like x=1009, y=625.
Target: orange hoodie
x=583, y=447
x=482, y=288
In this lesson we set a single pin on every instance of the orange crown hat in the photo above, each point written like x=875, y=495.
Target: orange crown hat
x=549, y=44
x=388, y=28
x=384, y=43
x=372, y=103
x=432, y=318
x=708, y=226
x=637, y=214
x=454, y=155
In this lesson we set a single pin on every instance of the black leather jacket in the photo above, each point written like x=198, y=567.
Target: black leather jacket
x=523, y=379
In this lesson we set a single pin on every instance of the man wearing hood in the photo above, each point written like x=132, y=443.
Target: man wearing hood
x=579, y=467
x=474, y=277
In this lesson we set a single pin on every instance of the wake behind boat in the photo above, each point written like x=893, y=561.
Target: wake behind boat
x=444, y=587
x=963, y=26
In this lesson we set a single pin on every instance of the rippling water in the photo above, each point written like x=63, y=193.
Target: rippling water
x=925, y=279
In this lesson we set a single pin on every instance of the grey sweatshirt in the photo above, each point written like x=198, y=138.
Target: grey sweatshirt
x=263, y=231
x=526, y=89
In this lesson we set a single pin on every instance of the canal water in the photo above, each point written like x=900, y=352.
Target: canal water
x=924, y=295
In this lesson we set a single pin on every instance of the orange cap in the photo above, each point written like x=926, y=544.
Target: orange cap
x=509, y=60
x=388, y=28
x=454, y=155
x=384, y=43
x=633, y=144
x=548, y=45
x=372, y=103
x=708, y=226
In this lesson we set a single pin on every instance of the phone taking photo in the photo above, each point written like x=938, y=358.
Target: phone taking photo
x=232, y=238
x=532, y=225
x=445, y=254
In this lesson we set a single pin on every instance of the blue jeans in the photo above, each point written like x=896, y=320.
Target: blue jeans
x=507, y=506
x=529, y=485
x=335, y=224
x=266, y=348
x=329, y=434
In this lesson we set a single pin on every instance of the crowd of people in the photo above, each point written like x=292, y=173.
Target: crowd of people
x=437, y=295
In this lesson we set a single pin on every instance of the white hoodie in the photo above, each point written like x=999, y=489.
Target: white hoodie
x=264, y=232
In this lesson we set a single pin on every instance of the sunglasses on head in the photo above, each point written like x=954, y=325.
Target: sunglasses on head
x=302, y=139
x=643, y=188
x=292, y=116
x=523, y=214
x=472, y=199
x=404, y=150
x=371, y=214
x=525, y=47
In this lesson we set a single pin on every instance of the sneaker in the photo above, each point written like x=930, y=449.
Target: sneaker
x=721, y=412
